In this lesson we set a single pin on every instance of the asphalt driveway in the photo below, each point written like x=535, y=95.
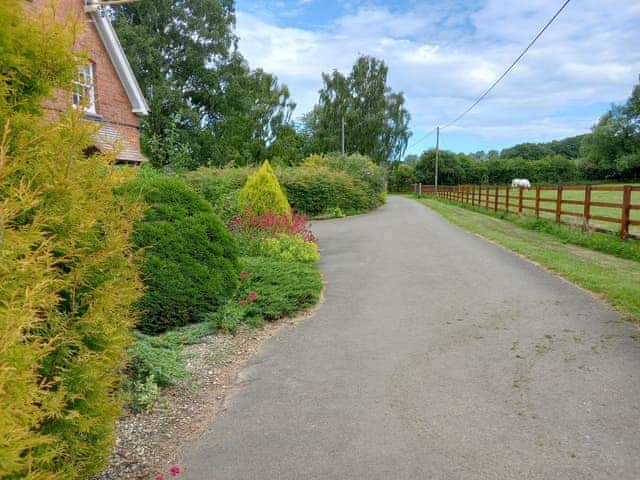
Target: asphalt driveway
x=436, y=355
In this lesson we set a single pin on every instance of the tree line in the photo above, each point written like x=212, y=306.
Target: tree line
x=210, y=108
x=611, y=152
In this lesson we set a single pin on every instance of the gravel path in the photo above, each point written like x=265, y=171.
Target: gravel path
x=436, y=355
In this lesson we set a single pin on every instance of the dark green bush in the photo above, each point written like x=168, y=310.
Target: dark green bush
x=189, y=263
x=317, y=190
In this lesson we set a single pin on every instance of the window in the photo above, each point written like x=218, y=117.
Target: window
x=83, y=94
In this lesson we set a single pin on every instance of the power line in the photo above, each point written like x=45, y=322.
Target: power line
x=423, y=138
x=481, y=97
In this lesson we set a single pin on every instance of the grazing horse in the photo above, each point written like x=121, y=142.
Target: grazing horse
x=521, y=182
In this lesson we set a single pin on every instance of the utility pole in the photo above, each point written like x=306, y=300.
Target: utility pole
x=437, y=154
x=343, y=135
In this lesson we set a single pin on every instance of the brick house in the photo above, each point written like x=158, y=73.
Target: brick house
x=106, y=87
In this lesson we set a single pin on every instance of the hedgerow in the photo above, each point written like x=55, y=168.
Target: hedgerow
x=67, y=273
x=220, y=187
x=319, y=190
x=358, y=167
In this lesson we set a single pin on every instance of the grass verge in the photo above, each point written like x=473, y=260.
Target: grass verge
x=608, y=243
x=615, y=279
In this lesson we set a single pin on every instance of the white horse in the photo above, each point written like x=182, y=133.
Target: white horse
x=520, y=182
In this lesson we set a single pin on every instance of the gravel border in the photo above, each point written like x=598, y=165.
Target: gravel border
x=148, y=443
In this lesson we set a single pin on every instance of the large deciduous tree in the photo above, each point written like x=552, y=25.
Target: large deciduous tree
x=376, y=121
x=207, y=106
x=612, y=151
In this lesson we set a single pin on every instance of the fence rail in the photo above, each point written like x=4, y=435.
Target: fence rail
x=591, y=206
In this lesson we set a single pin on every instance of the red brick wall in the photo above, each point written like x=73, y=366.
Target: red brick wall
x=112, y=101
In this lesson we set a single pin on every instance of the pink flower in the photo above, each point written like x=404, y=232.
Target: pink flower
x=175, y=470
x=252, y=297
x=242, y=302
x=159, y=477
x=244, y=274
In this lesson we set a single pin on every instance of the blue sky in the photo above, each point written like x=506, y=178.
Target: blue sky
x=444, y=54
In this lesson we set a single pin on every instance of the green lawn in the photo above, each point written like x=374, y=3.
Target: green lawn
x=548, y=201
x=616, y=280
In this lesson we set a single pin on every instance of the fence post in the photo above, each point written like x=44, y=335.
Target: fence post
x=506, y=200
x=537, y=202
x=626, y=208
x=473, y=195
x=521, y=189
x=420, y=189
x=559, y=204
x=587, y=206
x=495, y=200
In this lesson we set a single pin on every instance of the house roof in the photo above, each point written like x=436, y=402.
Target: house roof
x=118, y=57
x=109, y=139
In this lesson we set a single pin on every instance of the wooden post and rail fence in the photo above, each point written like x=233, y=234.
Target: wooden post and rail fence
x=564, y=202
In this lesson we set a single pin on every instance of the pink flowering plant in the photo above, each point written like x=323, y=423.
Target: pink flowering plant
x=173, y=471
x=271, y=224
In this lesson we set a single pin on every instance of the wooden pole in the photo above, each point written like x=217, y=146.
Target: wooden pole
x=537, y=202
x=587, y=206
x=521, y=189
x=506, y=201
x=559, y=205
x=343, y=135
x=437, y=155
x=626, y=209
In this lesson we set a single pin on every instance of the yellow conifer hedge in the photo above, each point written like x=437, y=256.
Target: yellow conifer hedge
x=262, y=193
x=67, y=277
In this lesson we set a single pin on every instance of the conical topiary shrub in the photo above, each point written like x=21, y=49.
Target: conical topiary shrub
x=262, y=193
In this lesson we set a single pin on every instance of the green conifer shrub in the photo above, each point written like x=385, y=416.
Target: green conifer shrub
x=262, y=193
x=67, y=276
x=189, y=262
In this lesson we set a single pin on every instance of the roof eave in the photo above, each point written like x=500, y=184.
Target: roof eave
x=120, y=62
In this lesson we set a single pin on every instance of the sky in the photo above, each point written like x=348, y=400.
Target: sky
x=443, y=54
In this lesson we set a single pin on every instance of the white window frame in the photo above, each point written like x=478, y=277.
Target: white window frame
x=83, y=94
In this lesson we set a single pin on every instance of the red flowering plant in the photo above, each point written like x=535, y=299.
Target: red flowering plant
x=271, y=224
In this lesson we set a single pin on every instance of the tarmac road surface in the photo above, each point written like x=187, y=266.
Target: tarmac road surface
x=436, y=355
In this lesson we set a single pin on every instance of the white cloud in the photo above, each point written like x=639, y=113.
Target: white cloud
x=587, y=58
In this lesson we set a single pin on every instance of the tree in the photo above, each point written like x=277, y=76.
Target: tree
x=453, y=168
x=612, y=151
x=401, y=177
x=376, y=121
x=289, y=146
x=528, y=151
x=206, y=104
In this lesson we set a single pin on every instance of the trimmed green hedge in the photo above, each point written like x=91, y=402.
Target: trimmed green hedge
x=317, y=190
x=189, y=263
x=358, y=167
